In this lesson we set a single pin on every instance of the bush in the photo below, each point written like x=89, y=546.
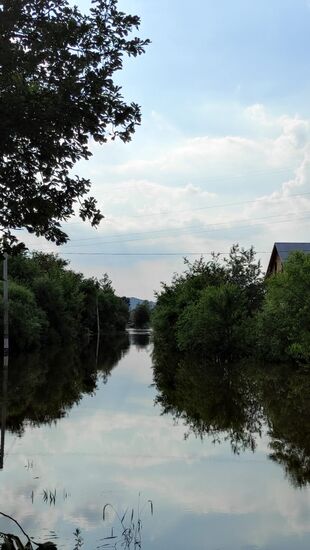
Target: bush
x=283, y=324
x=27, y=321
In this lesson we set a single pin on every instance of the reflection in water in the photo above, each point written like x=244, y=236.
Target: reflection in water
x=3, y=410
x=43, y=387
x=140, y=338
x=8, y=541
x=115, y=444
x=236, y=402
x=125, y=532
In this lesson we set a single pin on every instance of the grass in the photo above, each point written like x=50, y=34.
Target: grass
x=128, y=533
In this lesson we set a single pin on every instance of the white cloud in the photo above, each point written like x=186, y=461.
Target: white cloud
x=191, y=194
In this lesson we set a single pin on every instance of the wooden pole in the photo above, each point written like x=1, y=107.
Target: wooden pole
x=5, y=312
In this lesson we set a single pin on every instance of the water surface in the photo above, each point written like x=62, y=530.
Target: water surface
x=78, y=438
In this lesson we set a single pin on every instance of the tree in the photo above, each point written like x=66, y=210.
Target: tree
x=28, y=319
x=185, y=289
x=57, y=92
x=283, y=325
x=113, y=311
x=141, y=315
x=50, y=303
x=243, y=270
x=214, y=327
x=209, y=309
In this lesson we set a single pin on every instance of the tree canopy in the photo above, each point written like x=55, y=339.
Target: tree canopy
x=141, y=315
x=208, y=309
x=56, y=92
x=225, y=311
x=51, y=303
x=284, y=320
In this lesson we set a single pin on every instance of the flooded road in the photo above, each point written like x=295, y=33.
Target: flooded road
x=102, y=439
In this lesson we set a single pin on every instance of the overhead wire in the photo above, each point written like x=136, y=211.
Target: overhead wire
x=157, y=234
x=64, y=252
x=177, y=228
x=210, y=207
x=214, y=180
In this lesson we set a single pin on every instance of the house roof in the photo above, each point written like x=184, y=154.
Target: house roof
x=284, y=249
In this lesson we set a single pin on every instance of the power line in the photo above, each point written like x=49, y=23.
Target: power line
x=212, y=227
x=149, y=253
x=157, y=254
x=196, y=209
x=210, y=207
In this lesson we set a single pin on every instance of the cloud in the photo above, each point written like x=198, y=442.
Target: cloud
x=193, y=194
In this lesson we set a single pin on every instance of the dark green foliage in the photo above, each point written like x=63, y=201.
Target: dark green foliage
x=208, y=309
x=51, y=303
x=223, y=312
x=57, y=92
x=284, y=322
x=245, y=272
x=184, y=290
x=113, y=311
x=141, y=315
x=28, y=321
x=214, y=325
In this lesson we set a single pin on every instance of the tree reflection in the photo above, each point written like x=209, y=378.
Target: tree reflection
x=236, y=402
x=286, y=396
x=140, y=338
x=42, y=387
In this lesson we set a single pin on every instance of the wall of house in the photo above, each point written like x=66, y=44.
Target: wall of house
x=277, y=265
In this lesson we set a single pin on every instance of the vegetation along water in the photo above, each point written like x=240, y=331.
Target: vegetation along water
x=194, y=435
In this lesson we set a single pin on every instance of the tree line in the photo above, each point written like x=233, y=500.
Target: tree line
x=50, y=303
x=224, y=311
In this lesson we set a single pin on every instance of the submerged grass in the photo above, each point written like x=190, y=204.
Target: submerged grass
x=129, y=534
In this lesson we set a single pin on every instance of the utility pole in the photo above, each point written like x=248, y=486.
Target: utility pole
x=5, y=312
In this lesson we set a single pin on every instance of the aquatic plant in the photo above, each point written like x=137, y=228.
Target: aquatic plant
x=130, y=524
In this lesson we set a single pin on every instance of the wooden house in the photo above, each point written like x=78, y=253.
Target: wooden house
x=280, y=254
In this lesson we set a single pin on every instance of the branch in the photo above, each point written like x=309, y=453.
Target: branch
x=15, y=521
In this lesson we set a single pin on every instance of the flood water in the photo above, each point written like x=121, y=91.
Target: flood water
x=210, y=473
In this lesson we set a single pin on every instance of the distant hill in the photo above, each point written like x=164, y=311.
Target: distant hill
x=134, y=302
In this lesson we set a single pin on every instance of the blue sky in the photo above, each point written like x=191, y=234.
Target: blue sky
x=225, y=95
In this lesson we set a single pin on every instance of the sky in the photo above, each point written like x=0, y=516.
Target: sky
x=223, y=152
